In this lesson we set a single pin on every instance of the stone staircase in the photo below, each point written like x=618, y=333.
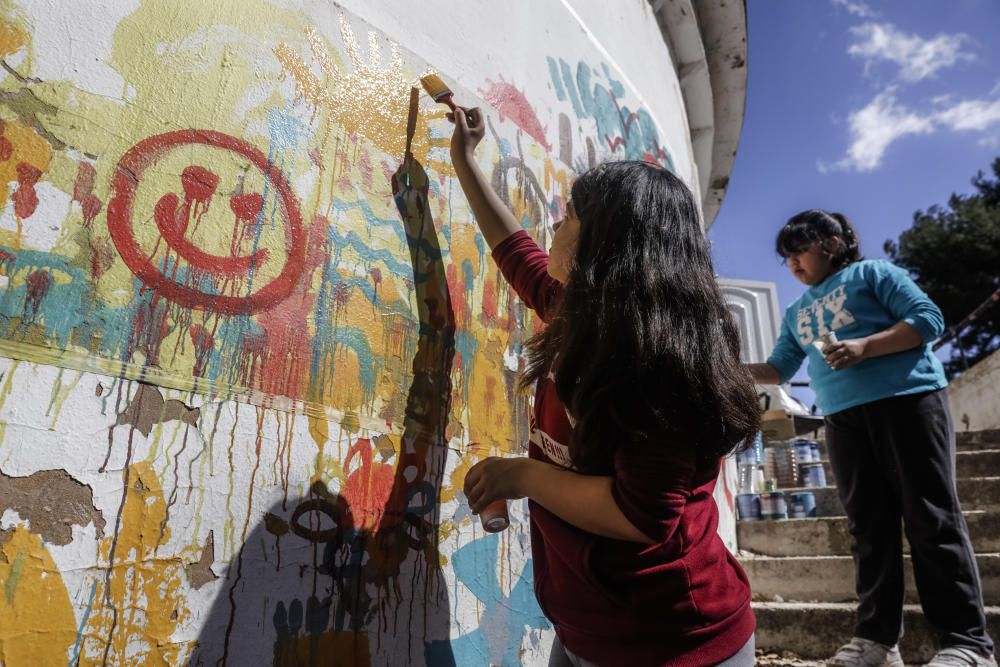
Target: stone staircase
x=802, y=573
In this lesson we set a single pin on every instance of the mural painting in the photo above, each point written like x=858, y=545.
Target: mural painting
x=269, y=331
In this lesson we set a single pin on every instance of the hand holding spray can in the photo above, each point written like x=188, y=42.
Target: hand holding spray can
x=494, y=516
x=829, y=338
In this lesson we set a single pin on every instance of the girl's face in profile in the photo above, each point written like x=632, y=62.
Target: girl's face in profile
x=812, y=264
x=567, y=232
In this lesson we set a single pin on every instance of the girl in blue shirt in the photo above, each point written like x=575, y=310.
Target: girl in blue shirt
x=889, y=436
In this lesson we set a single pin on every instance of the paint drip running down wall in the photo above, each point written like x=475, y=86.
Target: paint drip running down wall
x=245, y=345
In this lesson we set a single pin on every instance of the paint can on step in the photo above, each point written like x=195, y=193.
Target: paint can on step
x=748, y=506
x=803, y=505
x=773, y=505
x=813, y=475
x=804, y=450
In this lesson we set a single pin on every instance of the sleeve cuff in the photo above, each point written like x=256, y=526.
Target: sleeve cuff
x=782, y=369
x=924, y=328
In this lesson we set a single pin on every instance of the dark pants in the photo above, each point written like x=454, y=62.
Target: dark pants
x=895, y=459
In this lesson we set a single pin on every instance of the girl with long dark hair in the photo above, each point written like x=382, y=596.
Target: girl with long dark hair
x=639, y=393
x=889, y=436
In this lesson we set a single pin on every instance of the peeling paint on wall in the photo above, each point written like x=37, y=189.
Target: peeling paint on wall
x=245, y=345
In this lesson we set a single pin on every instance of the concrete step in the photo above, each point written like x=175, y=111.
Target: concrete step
x=831, y=578
x=975, y=463
x=976, y=493
x=828, y=536
x=979, y=463
x=968, y=441
x=816, y=630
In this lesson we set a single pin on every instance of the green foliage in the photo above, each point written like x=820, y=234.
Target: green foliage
x=953, y=252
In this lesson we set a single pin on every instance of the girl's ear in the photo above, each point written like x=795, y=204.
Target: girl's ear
x=832, y=244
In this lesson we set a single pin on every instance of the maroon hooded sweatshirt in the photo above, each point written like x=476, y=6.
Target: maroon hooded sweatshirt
x=682, y=601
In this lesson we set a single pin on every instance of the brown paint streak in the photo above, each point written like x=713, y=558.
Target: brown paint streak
x=148, y=408
x=52, y=502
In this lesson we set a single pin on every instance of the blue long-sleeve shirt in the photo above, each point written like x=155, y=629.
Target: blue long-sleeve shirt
x=861, y=299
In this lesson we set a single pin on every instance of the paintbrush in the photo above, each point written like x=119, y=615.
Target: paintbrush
x=441, y=93
x=438, y=90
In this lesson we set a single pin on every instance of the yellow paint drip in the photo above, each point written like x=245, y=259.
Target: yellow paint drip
x=12, y=38
x=37, y=625
x=140, y=605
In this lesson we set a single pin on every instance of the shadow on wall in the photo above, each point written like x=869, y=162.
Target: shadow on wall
x=309, y=585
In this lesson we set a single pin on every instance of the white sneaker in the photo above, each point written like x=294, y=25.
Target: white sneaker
x=961, y=656
x=865, y=653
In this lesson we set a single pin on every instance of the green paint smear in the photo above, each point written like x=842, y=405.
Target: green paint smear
x=15, y=576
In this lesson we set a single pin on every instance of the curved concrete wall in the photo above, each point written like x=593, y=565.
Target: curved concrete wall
x=246, y=353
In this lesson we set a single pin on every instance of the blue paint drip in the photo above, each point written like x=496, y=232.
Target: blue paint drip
x=554, y=76
x=571, y=89
x=468, y=275
x=617, y=89
x=83, y=624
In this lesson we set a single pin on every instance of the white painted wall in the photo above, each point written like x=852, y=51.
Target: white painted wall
x=974, y=398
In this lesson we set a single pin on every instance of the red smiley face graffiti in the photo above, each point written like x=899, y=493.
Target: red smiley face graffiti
x=171, y=218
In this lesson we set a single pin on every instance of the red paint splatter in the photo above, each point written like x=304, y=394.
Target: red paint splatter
x=365, y=166
x=25, y=198
x=102, y=255
x=459, y=304
x=489, y=303
x=341, y=294
x=83, y=185
x=252, y=356
x=288, y=344
x=490, y=397
x=512, y=104
x=6, y=148
x=376, y=275
x=316, y=246
x=37, y=283
x=204, y=343
x=368, y=487
x=91, y=206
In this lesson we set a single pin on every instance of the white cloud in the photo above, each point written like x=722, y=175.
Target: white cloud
x=856, y=8
x=975, y=115
x=883, y=121
x=874, y=128
x=917, y=58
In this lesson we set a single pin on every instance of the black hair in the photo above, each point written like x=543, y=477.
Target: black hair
x=642, y=344
x=817, y=225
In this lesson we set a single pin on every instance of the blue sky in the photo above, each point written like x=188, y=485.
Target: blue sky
x=872, y=109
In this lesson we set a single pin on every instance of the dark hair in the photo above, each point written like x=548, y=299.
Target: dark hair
x=818, y=225
x=641, y=343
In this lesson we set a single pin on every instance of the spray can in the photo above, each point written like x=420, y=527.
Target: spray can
x=829, y=338
x=495, y=517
